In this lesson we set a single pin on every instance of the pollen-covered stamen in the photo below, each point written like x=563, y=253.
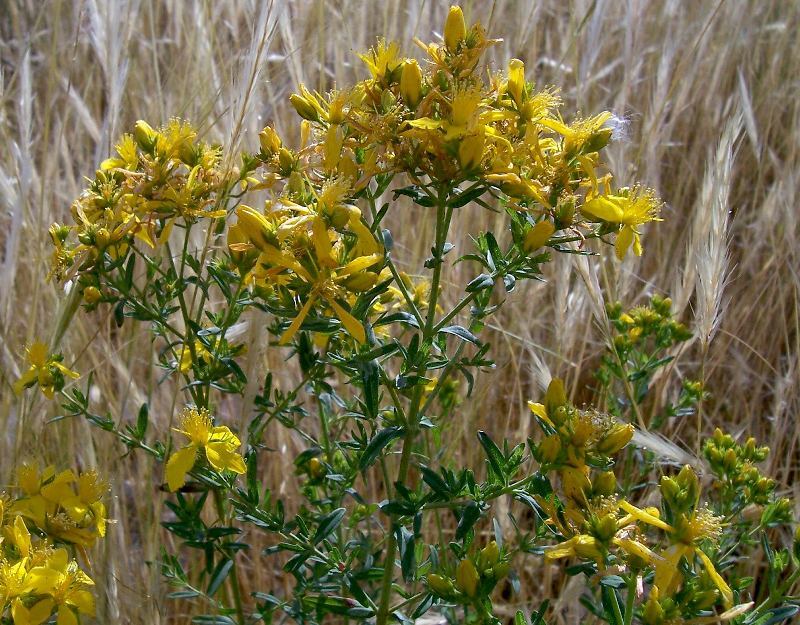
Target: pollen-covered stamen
x=196, y=425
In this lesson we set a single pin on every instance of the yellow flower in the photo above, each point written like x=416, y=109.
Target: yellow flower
x=218, y=442
x=66, y=584
x=580, y=545
x=686, y=535
x=382, y=60
x=631, y=209
x=46, y=371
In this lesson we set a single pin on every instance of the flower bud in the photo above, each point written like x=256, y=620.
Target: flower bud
x=243, y=255
x=361, y=282
x=286, y=160
x=91, y=295
x=102, y=238
x=565, y=213
x=576, y=483
x=619, y=436
x=500, y=570
x=269, y=141
x=58, y=234
x=537, y=236
x=586, y=547
x=653, y=613
x=442, y=586
x=467, y=578
x=316, y=469
x=488, y=556
x=516, y=81
x=730, y=460
x=548, y=449
x=304, y=108
x=455, y=29
x=470, y=151
x=597, y=140
x=556, y=396
x=604, y=484
x=411, y=83
x=145, y=135
x=605, y=528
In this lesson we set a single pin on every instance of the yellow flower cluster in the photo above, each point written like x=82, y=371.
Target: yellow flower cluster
x=316, y=253
x=52, y=513
x=156, y=177
x=600, y=526
x=219, y=444
x=438, y=122
x=46, y=371
x=475, y=575
x=443, y=121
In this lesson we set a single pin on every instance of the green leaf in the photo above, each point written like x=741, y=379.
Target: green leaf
x=119, y=313
x=370, y=378
x=613, y=581
x=611, y=606
x=416, y=194
x=483, y=281
x=183, y=594
x=437, y=484
x=328, y=524
x=408, y=560
x=142, y=421
x=376, y=445
x=471, y=514
x=462, y=198
x=207, y=619
x=218, y=576
x=423, y=606
x=774, y=616
x=129, y=272
x=496, y=459
x=461, y=333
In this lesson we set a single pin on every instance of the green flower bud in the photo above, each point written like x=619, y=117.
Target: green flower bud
x=500, y=570
x=467, y=578
x=144, y=135
x=488, y=556
x=619, y=436
x=604, y=484
x=304, y=108
x=442, y=586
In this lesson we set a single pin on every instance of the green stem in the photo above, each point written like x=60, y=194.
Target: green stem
x=630, y=596
x=779, y=593
x=234, y=589
x=457, y=309
x=443, y=215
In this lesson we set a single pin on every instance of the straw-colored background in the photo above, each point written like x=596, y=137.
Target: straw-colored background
x=712, y=98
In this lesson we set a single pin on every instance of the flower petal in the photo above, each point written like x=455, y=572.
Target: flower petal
x=179, y=464
x=223, y=457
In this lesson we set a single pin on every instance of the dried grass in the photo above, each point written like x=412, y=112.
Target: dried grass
x=710, y=92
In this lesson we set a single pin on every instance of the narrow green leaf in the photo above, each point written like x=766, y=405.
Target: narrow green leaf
x=142, y=421
x=497, y=461
x=328, y=524
x=376, y=445
x=218, y=576
x=461, y=333
x=468, y=518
